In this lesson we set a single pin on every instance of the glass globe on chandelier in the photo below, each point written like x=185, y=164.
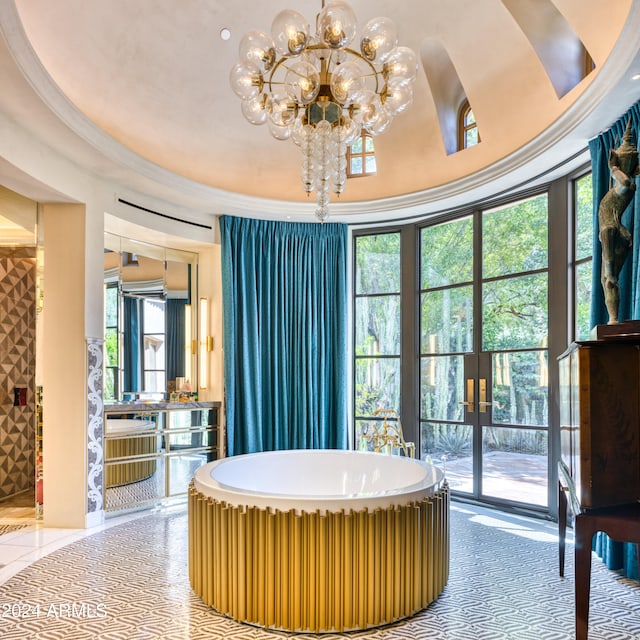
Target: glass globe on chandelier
x=321, y=93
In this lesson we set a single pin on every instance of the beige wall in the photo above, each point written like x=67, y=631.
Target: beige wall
x=210, y=287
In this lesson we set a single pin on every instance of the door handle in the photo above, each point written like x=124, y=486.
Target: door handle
x=469, y=402
x=482, y=392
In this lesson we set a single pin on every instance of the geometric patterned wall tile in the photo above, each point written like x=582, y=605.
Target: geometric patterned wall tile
x=17, y=369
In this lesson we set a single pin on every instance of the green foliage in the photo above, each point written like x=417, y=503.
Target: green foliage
x=447, y=320
x=584, y=251
x=515, y=308
x=583, y=286
x=111, y=348
x=446, y=253
x=584, y=217
x=109, y=385
x=377, y=385
x=111, y=306
x=378, y=264
x=515, y=312
x=523, y=441
x=377, y=324
x=515, y=238
x=451, y=440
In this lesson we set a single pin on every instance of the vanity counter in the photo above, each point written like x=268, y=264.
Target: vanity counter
x=142, y=405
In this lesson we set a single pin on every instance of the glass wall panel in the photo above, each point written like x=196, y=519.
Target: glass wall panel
x=520, y=389
x=377, y=385
x=447, y=320
x=446, y=254
x=441, y=385
x=450, y=446
x=583, y=286
x=514, y=238
x=584, y=217
x=515, y=312
x=515, y=464
x=583, y=261
x=363, y=427
x=377, y=264
x=154, y=381
x=153, y=316
x=377, y=325
x=154, y=352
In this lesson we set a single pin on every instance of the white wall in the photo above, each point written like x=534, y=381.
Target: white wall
x=63, y=365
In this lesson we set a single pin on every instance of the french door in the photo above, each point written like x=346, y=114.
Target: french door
x=484, y=322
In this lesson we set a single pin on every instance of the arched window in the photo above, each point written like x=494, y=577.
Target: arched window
x=361, y=157
x=589, y=63
x=468, y=134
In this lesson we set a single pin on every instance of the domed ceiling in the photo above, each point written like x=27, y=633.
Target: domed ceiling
x=145, y=86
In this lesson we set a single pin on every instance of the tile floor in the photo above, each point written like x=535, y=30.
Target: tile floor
x=128, y=579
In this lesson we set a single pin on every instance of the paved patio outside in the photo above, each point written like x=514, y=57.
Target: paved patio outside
x=508, y=476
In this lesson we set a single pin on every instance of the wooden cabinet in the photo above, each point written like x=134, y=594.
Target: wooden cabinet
x=600, y=423
x=599, y=469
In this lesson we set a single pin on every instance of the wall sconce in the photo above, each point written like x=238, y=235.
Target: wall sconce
x=188, y=347
x=205, y=342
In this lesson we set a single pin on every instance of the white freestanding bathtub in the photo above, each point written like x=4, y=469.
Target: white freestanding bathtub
x=318, y=540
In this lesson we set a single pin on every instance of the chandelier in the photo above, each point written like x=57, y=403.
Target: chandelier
x=319, y=92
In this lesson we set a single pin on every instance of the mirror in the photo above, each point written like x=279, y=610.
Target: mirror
x=150, y=319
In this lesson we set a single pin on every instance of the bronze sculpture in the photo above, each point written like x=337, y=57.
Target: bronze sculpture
x=614, y=236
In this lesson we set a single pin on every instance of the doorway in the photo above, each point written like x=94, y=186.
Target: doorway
x=484, y=409
x=18, y=391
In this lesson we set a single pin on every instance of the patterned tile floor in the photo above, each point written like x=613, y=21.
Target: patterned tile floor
x=129, y=581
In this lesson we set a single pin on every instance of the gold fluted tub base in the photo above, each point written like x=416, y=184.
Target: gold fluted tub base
x=318, y=572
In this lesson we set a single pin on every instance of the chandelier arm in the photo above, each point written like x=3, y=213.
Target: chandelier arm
x=276, y=66
x=282, y=62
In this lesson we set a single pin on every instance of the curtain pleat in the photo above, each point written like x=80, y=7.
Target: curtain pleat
x=285, y=314
x=175, y=337
x=616, y=555
x=131, y=347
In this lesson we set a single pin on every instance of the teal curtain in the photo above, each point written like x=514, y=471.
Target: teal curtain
x=131, y=348
x=285, y=315
x=175, y=337
x=629, y=285
x=616, y=555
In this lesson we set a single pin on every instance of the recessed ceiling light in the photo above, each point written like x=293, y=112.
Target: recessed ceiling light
x=225, y=34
